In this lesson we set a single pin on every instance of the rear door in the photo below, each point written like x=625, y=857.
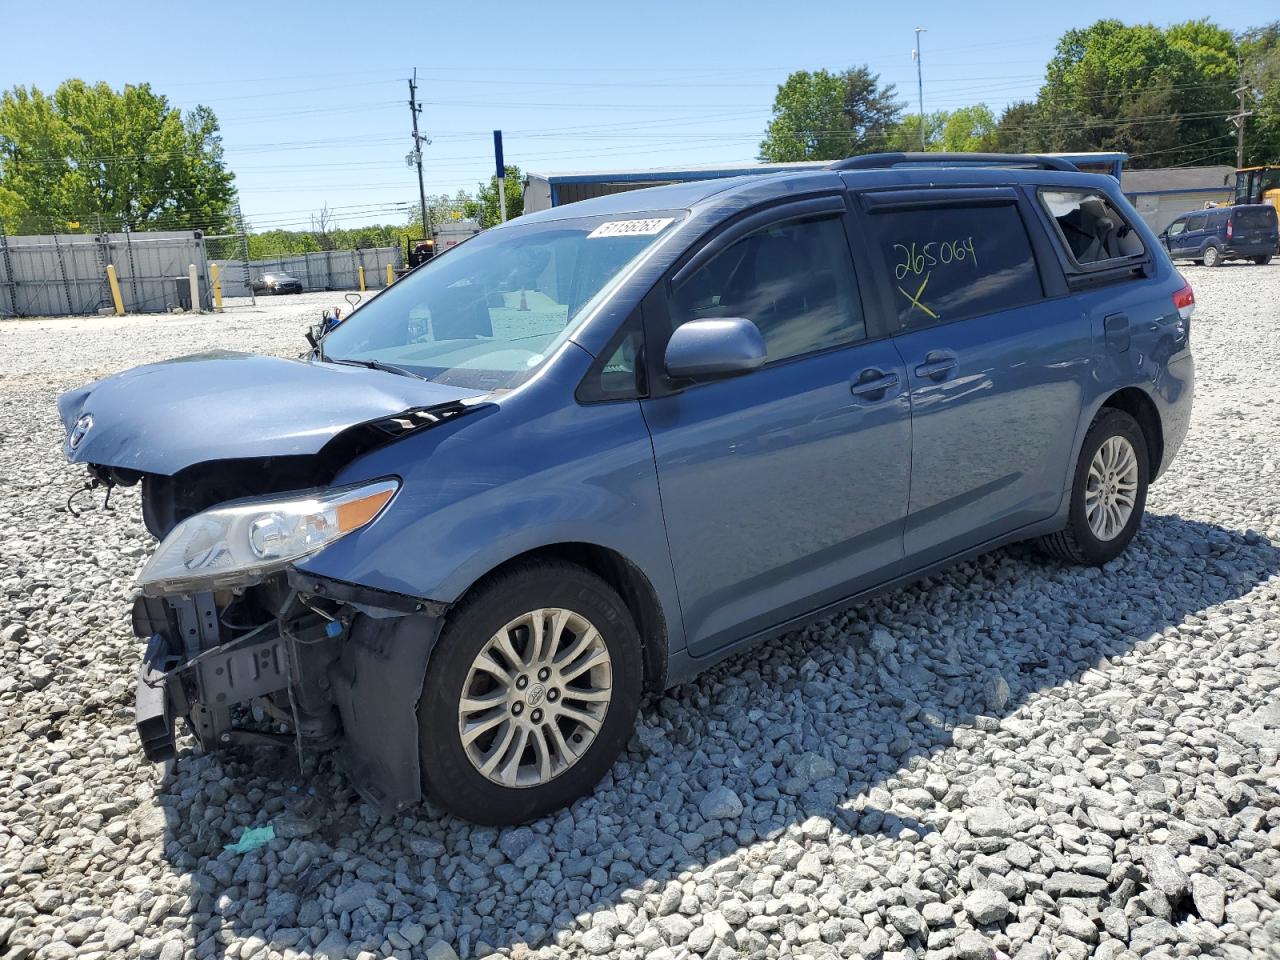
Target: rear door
x=996, y=358
x=786, y=488
x=1253, y=227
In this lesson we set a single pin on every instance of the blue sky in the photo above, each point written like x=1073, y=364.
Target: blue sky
x=313, y=97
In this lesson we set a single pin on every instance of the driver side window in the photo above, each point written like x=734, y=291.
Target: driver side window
x=1177, y=227
x=794, y=280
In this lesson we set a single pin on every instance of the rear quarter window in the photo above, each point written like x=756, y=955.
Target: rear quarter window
x=949, y=263
x=1093, y=229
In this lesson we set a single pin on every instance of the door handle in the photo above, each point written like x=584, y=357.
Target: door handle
x=873, y=384
x=937, y=365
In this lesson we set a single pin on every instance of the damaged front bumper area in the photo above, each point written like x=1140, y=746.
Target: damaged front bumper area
x=296, y=661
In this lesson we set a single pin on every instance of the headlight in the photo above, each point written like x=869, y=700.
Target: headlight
x=240, y=542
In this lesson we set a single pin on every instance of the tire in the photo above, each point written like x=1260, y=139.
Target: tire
x=1212, y=256
x=450, y=775
x=1263, y=260
x=1078, y=542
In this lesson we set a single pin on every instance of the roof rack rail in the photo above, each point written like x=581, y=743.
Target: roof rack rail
x=880, y=161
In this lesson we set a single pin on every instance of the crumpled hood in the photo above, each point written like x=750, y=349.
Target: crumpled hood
x=162, y=417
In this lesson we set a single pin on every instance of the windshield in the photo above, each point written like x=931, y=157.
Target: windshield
x=487, y=314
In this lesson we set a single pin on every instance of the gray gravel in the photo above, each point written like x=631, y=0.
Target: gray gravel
x=1013, y=758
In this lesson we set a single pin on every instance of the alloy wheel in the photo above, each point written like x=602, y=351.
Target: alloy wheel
x=535, y=698
x=1112, y=488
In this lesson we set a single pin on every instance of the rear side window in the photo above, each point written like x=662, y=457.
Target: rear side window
x=951, y=262
x=1197, y=222
x=1092, y=228
x=794, y=280
x=1254, y=218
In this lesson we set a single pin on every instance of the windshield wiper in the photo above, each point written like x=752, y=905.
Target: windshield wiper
x=374, y=365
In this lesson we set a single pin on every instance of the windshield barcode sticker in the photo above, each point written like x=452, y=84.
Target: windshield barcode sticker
x=630, y=228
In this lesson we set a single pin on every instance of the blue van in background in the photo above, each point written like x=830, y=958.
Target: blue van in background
x=599, y=448
x=1244, y=232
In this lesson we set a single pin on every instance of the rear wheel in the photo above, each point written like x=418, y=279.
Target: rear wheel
x=1212, y=256
x=530, y=695
x=1108, y=494
x=1263, y=260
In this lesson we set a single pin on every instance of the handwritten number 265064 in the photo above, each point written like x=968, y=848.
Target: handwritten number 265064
x=919, y=257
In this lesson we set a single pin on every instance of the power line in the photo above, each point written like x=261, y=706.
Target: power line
x=1182, y=146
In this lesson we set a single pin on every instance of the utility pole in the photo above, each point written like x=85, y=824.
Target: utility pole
x=1239, y=118
x=416, y=156
x=915, y=55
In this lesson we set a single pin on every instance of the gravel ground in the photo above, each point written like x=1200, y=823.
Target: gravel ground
x=1011, y=758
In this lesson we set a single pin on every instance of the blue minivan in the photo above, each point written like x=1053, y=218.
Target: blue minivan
x=591, y=452
x=1248, y=231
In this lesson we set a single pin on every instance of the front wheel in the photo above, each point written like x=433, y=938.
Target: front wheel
x=1212, y=256
x=1108, y=494
x=530, y=694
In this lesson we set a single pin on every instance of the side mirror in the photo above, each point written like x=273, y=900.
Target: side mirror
x=719, y=347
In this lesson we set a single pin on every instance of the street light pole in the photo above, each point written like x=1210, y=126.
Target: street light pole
x=919, y=83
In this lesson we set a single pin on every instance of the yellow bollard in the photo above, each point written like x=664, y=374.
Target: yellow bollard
x=361, y=269
x=215, y=276
x=114, y=282
x=390, y=275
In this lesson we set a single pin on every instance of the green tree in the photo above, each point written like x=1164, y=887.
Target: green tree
x=1260, y=53
x=280, y=243
x=485, y=208
x=1161, y=95
x=905, y=135
x=969, y=130
x=440, y=207
x=821, y=115
x=1018, y=129
x=92, y=154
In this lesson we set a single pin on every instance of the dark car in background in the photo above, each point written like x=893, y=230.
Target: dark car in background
x=1244, y=232
x=277, y=283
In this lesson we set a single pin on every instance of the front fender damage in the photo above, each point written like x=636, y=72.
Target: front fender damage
x=376, y=687
x=334, y=667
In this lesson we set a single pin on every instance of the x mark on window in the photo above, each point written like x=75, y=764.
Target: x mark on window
x=915, y=300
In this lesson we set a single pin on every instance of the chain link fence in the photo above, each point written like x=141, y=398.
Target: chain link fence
x=66, y=274
x=56, y=274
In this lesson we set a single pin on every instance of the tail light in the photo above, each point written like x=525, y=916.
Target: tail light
x=1229, y=219
x=1184, y=301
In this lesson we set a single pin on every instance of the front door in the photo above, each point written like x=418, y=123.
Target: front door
x=786, y=488
x=996, y=371
x=1192, y=239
